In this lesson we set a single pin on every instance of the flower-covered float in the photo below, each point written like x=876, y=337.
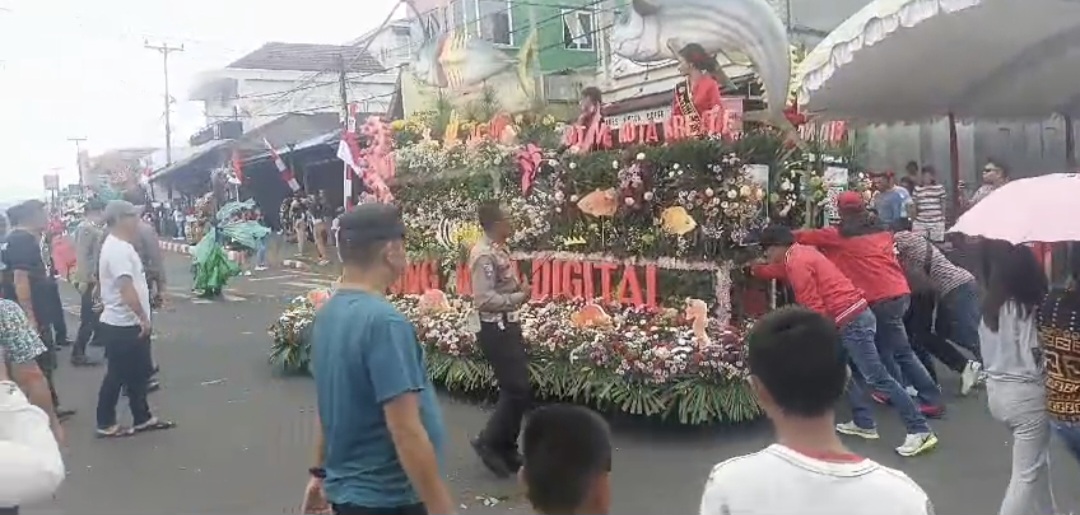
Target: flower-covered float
x=633, y=252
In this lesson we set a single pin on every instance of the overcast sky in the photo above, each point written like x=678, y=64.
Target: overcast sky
x=77, y=68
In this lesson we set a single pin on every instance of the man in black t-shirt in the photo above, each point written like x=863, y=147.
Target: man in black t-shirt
x=28, y=280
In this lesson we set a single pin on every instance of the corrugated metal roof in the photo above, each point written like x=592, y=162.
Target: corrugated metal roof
x=308, y=57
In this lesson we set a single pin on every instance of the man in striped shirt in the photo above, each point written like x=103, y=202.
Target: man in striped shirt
x=929, y=200
x=957, y=293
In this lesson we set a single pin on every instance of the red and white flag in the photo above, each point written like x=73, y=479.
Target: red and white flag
x=238, y=165
x=286, y=173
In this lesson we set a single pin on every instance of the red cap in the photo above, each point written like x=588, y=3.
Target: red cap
x=850, y=201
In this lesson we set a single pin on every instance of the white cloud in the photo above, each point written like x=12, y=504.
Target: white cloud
x=76, y=68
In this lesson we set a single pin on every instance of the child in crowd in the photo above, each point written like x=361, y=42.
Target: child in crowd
x=566, y=461
x=798, y=372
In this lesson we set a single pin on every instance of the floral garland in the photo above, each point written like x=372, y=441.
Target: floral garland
x=647, y=362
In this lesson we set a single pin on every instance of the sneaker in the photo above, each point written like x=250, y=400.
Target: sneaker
x=247, y=273
x=916, y=444
x=932, y=411
x=852, y=429
x=969, y=377
x=261, y=268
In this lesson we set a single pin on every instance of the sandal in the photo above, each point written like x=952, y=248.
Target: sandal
x=154, y=424
x=115, y=432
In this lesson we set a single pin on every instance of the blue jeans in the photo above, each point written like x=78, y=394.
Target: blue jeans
x=260, y=252
x=962, y=306
x=1070, y=434
x=857, y=338
x=897, y=354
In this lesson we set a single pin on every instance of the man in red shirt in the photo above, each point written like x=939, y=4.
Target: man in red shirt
x=821, y=287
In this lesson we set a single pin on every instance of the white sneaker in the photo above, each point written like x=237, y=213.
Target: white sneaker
x=969, y=377
x=851, y=429
x=261, y=268
x=915, y=444
x=247, y=273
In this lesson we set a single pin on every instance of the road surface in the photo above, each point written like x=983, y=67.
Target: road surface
x=243, y=444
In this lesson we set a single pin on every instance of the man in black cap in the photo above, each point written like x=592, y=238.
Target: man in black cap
x=88, y=237
x=381, y=432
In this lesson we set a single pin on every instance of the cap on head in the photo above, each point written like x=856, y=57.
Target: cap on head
x=117, y=210
x=850, y=201
x=371, y=223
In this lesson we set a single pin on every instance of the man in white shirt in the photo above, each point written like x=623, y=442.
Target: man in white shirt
x=125, y=326
x=798, y=372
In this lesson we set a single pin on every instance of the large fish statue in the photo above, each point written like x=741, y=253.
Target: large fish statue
x=457, y=62
x=744, y=31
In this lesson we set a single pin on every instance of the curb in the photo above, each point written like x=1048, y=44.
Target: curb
x=185, y=249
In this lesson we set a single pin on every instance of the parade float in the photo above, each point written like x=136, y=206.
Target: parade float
x=633, y=235
x=634, y=251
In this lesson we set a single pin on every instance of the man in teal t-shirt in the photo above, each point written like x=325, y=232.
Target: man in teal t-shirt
x=381, y=428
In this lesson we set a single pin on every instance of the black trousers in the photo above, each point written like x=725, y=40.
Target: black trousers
x=926, y=339
x=54, y=314
x=129, y=367
x=47, y=360
x=504, y=348
x=88, y=321
x=349, y=509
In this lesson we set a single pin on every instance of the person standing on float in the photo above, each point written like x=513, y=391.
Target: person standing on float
x=700, y=92
x=497, y=295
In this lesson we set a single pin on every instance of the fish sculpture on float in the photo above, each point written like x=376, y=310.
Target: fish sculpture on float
x=746, y=32
x=452, y=60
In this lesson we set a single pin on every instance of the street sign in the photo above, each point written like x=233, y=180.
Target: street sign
x=52, y=182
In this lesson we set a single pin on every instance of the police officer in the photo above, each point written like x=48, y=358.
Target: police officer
x=497, y=295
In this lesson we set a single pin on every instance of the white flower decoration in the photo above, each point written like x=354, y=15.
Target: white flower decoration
x=641, y=156
x=732, y=194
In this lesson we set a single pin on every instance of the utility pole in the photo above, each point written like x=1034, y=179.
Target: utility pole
x=78, y=158
x=165, y=50
x=343, y=91
x=343, y=88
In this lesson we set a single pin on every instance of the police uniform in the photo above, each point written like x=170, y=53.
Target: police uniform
x=497, y=295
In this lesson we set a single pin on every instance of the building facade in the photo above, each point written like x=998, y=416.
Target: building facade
x=287, y=78
x=568, y=34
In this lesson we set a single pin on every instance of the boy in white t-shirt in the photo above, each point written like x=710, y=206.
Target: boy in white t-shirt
x=798, y=372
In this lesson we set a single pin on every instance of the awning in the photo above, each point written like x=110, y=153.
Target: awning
x=329, y=139
x=192, y=156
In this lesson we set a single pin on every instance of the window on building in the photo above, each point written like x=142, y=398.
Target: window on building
x=579, y=31
x=496, y=21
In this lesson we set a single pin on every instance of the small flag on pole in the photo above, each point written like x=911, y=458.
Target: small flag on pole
x=286, y=173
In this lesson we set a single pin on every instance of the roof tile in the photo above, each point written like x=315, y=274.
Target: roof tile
x=308, y=57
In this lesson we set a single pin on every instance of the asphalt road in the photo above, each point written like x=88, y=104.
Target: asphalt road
x=243, y=443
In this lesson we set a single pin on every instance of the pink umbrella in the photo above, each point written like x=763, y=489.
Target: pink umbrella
x=1037, y=209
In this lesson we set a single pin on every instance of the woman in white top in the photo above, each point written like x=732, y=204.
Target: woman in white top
x=1013, y=363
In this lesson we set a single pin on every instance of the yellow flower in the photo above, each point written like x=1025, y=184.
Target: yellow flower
x=397, y=125
x=549, y=120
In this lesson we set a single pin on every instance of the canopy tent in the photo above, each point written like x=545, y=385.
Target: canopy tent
x=909, y=60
